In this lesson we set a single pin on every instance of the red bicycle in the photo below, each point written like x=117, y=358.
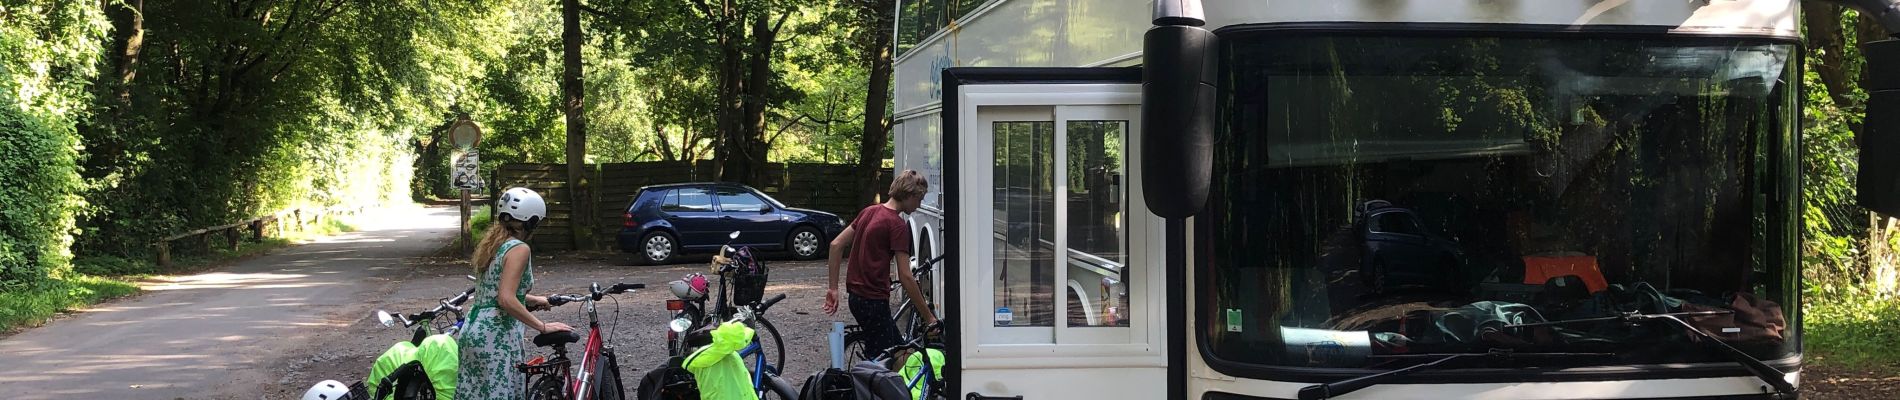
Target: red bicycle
x=554, y=378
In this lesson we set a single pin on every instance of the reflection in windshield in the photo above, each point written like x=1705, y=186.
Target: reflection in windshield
x=1422, y=195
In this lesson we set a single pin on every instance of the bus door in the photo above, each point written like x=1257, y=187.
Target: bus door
x=1057, y=286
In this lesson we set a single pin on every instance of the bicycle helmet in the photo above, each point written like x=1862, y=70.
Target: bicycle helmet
x=691, y=287
x=327, y=390
x=523, y=205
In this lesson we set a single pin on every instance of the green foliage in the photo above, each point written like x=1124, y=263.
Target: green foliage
x=32, y=306
x=38, y=180
x=112, y=266
x=478, y=221
x=1854, y=328
x=49, y=54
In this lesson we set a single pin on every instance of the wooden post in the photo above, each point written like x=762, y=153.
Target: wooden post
x=231, y=235
x=164, y=254
x=466, y=246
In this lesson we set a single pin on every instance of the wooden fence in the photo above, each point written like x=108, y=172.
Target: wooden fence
x=824, y=187
x=234, y=233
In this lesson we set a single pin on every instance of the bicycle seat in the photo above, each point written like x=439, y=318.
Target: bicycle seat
x=556, y=338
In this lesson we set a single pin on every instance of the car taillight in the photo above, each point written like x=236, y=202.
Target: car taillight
x=628, y=221
x=675, y=305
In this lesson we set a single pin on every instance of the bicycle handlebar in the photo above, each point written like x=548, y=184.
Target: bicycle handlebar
x=559, y=299
x=768, y=303
x=594, y=294
x=444, y=305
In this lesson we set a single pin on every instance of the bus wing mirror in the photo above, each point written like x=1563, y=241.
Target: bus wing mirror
x=1879, y=177
x=1178, y=73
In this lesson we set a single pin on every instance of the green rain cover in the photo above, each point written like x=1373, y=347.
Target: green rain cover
x=440, y=358
x=915, y=365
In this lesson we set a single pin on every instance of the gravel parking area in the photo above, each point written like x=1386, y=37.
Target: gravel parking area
x=637, y=329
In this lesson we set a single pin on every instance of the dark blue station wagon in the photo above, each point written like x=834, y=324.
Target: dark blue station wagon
x=666, y=220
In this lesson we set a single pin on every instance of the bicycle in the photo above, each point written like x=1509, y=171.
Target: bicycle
x=599, y=376
x=764, y=374
x=910, y=323
x=451, y=306
x=907, y=318
x=691, y=313
x=924, y=385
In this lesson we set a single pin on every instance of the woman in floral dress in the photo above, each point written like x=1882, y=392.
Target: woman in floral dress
x=492, y=343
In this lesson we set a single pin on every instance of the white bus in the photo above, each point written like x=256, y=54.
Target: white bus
x=1279, y=199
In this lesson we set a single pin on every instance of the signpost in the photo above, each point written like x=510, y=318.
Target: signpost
x=466, y=175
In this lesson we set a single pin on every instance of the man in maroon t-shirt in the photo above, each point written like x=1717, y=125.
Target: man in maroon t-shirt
x=876, y=238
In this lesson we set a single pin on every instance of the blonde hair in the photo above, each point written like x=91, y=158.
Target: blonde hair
x=498, y=233
x=908, y=185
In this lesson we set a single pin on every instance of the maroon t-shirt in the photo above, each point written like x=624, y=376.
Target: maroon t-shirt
x=880, y=234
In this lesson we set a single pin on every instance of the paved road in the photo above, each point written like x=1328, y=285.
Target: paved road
x=198, y=336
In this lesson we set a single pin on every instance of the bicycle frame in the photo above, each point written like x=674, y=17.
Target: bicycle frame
x=759, y=366
x=578, y=384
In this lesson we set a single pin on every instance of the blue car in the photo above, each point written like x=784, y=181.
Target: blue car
x=666, y=220
x=1400, y=252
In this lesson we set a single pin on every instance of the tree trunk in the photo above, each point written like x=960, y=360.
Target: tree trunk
x=128, y=19
x=580, y=199
x=876, y=127
x=750, y=146
x=725, y=157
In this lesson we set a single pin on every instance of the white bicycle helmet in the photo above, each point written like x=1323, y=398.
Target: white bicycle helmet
x=327, y=390
x=523, y=205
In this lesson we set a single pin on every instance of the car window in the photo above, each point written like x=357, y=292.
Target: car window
x=1394, y=222
x=688, y=200
x=736, y=201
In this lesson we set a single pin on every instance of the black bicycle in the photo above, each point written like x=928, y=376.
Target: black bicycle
x=910, y=324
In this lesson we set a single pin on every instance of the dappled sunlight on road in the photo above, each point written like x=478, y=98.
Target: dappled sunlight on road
x=194, y=336
x=220, y=280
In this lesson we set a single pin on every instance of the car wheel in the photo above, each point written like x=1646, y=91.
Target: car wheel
x=657, y=247
x=805, y=243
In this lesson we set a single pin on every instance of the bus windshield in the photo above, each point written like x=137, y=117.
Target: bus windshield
x=1376, y=197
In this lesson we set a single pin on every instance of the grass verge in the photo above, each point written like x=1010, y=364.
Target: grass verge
x=1854, y=331
x=33, y=306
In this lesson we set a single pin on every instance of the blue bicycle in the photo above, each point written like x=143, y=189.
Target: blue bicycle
x=673, y=382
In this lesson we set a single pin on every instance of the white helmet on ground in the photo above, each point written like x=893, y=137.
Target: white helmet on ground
x=523, y=205
x=327, y=390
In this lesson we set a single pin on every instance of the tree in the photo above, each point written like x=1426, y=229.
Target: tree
x=579, y=197
x=1841, y=72
x=876, y=15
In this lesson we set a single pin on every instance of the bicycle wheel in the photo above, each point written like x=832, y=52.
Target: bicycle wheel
x=908, y=320
x=778, y=388
x=607, y=385
x=853, y=349
x=771, y=345
x=547, y=387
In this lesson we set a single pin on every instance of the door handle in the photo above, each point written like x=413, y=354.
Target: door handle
x=975, y=396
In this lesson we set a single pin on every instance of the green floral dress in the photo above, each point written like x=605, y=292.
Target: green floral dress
x=492, y=343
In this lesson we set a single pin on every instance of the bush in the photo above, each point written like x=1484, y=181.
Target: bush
x=38, y=179
x=478, y=222
x=112, y=266
x=1856, y=330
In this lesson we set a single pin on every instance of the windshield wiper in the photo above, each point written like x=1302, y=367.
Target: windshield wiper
x=1767, y=373
x=1349, y=385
